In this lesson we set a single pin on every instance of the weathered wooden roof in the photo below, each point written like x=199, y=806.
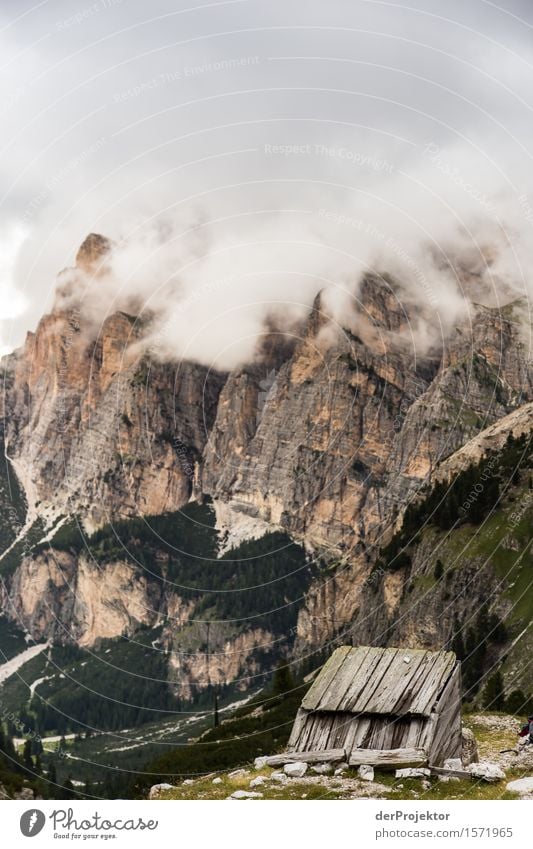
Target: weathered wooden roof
x=380, y=681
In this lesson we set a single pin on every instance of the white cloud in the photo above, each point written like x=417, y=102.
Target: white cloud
x=147, y=122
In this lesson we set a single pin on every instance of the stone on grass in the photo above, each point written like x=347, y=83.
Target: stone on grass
x=522, y=786
x=487, y=771
x=258, y=782
x=469, y=752
x=413, y=772
x=341, y=769
x=295, y=770
x=157, y=789
x=279, y=776
x=189, y=781
x=453, y=763
x=366, y=772
x=217, y=780
x=261, y=762
x=245, y=794
x=322, y=769
x=238, y=773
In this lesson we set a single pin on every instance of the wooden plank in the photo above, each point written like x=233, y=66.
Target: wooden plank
x=388, y=758
x=312, y=698
x=326, y=756
x=452, y=773
x=297, y=728
x=351, y=701
x=428, y=695
x=401, y=696
x=374, y=684
x=406, y=700
x=394, y=684
x=334, y=695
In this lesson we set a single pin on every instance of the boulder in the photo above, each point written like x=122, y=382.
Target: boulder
x=245, y=794
x=322, y=769
x=258, y=782
x=453, y=763
x=157, y=789
x=260, y=763
x=25, y=793
x=279, y=777
x=238, y=773
x=295, y=770
x=413, y=772
x=217, y=780
x=189, y=781
x=523, y=786
x=366, y=773
x=469, y=752
x=487, y=771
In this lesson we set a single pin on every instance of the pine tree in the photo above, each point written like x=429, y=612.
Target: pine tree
x=493, y=694
x=283, y=682
x=517, y=703
x=26, y=756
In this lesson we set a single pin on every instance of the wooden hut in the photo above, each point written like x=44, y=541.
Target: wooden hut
x=396, y=707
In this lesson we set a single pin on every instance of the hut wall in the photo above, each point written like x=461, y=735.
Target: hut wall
x=446, y=722
x=319, y=730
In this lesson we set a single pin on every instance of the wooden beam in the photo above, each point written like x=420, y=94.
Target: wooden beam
x=451, y=773
x=325, y=756
x=388, y=758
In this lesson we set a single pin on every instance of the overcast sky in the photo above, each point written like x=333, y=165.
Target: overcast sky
x=132, y=118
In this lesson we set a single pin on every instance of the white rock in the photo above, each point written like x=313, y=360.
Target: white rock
x=217, y=780
x=259, y=763
x=279, y=776
x=157, y=789
x=245, y=794
x=366, y=772
x=413, y=772
x=322, y=769
x=453, y=763
x=296, y=769
x=487, y=771
x=341, y=769
x=469, y=751
x=238, y=773
x=521, y=785
x=258, y=782
x=188, y=781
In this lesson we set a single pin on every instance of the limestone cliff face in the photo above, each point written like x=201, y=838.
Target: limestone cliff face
x=95, y=428
x=64, y=598
x=344, y=436
x=327, y=439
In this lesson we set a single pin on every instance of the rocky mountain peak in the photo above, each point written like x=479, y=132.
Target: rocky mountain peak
x=92, y=252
